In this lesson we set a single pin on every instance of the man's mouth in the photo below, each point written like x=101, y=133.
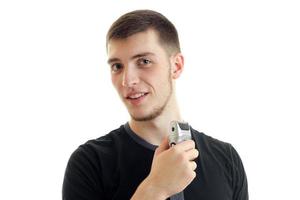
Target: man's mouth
x=137, y=95
x=137, y=98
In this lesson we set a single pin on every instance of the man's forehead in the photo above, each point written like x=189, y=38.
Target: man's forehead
x=139, y=43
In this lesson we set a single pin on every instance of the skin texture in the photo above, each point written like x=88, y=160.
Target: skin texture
x=141, y=65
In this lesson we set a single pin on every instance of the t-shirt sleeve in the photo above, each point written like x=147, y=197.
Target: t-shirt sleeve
x=240, y=185
x=81, y=180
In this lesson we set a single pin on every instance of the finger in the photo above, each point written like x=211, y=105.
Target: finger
x=164, y=145
x=193, y=165
x=185, y=145
x=192, y=154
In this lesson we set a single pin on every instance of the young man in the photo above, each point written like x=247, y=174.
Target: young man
x=135, y=160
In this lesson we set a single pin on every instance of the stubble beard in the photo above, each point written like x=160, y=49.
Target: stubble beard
x=157, y=111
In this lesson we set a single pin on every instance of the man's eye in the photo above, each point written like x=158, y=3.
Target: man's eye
x=144, y=61
x=116, y=67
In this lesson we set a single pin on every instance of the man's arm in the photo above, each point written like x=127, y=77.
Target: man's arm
x=240, y=185
x=79, y=181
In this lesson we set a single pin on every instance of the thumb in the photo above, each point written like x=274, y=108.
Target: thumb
x=164, y=145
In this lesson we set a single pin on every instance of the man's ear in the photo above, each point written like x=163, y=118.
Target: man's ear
x=177, y=65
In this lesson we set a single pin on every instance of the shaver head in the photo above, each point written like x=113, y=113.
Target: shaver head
x=179, y=132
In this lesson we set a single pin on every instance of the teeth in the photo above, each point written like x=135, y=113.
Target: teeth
x=135, y=96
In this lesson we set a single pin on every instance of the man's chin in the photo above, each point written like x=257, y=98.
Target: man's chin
x=142, y=118
x=147, y=117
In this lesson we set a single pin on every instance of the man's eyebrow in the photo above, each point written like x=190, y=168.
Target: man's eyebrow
x=111, y=60
x=142, y=55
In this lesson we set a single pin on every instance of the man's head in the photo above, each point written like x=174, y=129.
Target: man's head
x=144, y=56
x=143, y=20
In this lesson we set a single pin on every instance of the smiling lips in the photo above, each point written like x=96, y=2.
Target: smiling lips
x=136, y=97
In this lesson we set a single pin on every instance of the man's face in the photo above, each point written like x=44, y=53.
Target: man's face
x=140, y=72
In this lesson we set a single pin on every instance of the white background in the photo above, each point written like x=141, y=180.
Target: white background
x=240, y=85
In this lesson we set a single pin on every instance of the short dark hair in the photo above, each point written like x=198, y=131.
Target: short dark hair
x=141, y=20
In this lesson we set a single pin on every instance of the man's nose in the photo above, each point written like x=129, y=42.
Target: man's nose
x=130, y=77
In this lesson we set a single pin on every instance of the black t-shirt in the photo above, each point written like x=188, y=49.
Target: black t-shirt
x=112, y=166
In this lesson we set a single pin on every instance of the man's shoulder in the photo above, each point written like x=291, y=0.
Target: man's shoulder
x=205, y=139
x=212, y=147
x=216, y=150
x=104, y=146
x=93, y=163
x=107, y=141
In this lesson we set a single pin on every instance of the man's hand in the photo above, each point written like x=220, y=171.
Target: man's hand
x=172, y=169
